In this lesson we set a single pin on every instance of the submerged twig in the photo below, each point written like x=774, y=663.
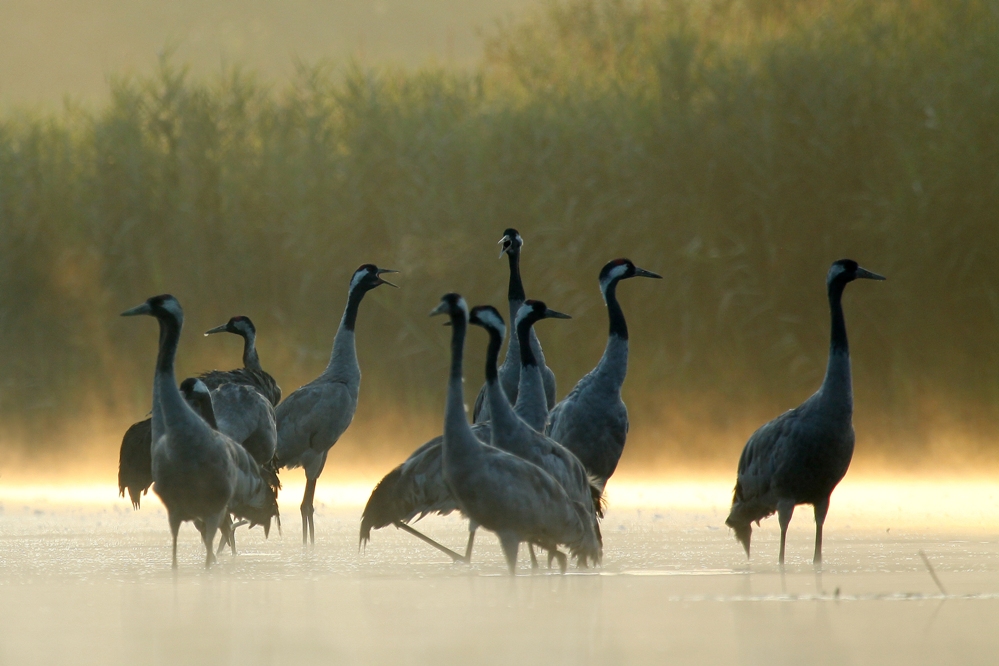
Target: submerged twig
x=933, y=574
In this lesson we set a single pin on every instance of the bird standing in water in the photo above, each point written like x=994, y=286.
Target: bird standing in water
x=800, y=456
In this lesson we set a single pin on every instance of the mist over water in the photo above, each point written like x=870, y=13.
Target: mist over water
x=674, y=584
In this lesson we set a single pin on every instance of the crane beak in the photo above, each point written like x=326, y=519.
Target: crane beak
x=143, y=309
x=552, y=314
x=505, y=242
x=641, y=272
x=439, y=310
x=217, y=329
x=866, y=274
x=382, y=271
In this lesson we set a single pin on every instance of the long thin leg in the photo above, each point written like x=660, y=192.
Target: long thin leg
x=174, y=529
x=228, y=535
x=534, y=558
x=562, y=560
x=472, y=526
x=211, y=527
x=784, y=510
x=308, y=526
x=425, y=539
x=510, y=544
x=821, y=509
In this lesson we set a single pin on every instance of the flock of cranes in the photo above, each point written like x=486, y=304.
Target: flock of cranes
x=527, y=468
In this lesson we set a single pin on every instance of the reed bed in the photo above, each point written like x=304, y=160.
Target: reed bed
x=736, y=147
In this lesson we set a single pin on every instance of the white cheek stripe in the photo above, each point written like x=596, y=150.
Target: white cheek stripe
x=358, y=276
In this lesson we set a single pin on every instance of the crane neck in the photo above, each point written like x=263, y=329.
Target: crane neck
x=515, y=290
x=250, y=358
x=532, y=403
x=169, y=407
x=837, y=384
x=501, y=414
x=515, y=298
x=343, y=359
x=527, y=357
x=613, y=365
x=618, y=325
x=458, y=437
x=492, y=355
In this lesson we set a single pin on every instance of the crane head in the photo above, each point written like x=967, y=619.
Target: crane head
x=368, y=276
x=488, y=318
x=535, y=311
x=452, y=305
x=160, y=306
x=240, y=325
x=622, y=269
x=847, y=270
x=511, y=242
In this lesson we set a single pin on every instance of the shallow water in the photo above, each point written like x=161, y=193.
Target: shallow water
x=90, y=582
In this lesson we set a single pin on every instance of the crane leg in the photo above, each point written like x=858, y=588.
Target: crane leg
x=534, y=558
x=228, y=536
x=562, y=560
x=785, y=509
x=471, y=539
x=308, y=526
x=174, y=529
x=425, y=539
x=821, y=509
x=211, y=527
x=510, y=544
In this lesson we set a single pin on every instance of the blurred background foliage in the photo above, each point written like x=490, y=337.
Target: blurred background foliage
x=735, y=146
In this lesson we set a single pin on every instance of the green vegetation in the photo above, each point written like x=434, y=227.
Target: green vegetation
x=735, y=147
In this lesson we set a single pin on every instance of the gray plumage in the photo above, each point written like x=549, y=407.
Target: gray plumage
x=198, y=473
x=507, y=495
x=312, y=418
x=510, y=433
x=134, y=460
x=251, y=374
x=592, y=421
x=416, y=487
x=245, y=415
x=509, y=372
x=255, y=498
x=800, y=456
x=135, y=463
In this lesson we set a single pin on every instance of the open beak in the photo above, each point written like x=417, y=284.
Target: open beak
x=382, y=271
x=552, y=314
x=505, y=242
x=864, y=273
x=439, y=310
x=217, y=329
x=143, y=309
x=641, y=272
